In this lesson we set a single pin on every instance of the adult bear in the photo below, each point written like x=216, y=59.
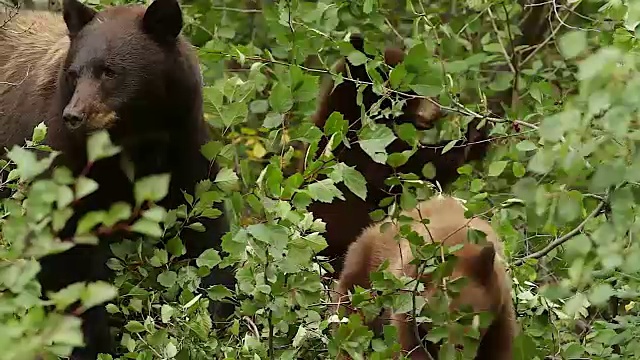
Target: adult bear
x=488, y=287
x=347, y=218
x=126, y=69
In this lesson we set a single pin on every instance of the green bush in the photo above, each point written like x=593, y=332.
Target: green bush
x=559, y=184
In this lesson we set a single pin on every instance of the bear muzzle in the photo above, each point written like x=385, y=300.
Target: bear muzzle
x=88, y=118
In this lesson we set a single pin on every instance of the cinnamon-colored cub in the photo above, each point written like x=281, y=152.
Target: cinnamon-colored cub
x=487, y=288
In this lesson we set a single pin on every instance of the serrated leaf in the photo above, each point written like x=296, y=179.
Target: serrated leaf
x=151, y=188
x=572, y=43
x=39, y=133
x=175, y=247
x=219, y=292
x=324, y=191
x=134, y=326
x=355, y=182
x=85, y=186
x=167, y=278
x=209, y=258
x=526, y=145
x=147, y=227
x=280, y=98
x=374, y=141
x=357, y=58
x=166, y=312
x=99, y=146
x=497, y=167
x=449, y=146
x=273, y=120
x=97, y=293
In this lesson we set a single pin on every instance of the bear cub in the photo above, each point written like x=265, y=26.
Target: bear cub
x=487, y=288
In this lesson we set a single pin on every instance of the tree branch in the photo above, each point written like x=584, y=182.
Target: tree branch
x=561, y=240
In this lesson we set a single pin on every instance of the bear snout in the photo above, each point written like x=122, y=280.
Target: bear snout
x=73, y=117
x=88, y=118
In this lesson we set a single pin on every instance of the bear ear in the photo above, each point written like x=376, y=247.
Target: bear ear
x=484, y=263
x=357, y=41
x=163, y=20
x=76, y=15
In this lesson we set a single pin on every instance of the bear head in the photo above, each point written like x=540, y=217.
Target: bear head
x=128, y=70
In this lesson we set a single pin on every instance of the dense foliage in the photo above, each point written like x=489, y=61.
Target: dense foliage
x=559, y=183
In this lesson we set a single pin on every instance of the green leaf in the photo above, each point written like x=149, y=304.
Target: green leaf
x=449, y=146
x=357, y=58
x=367, y=7
x=134, y=326
x=496, y=168
x=429, y=170
x=632, y=17
x=526, y=145
x=166, y=312
x=219, y=292
x=211, y=149
x=336, y=124
x=67, y=295
x=39, y=133
x=518, y=169
x=170, y=350
x=99, y=146
x=573, y=43
x=27, y=164
x=147, y=227
x=600, y=294
x=273, y=120
x=374, y=139
x=226, y=179
x=280, y=98
x=85, y=186
x=197, y=226
x=260, y=106
x=324, y=191
x=175, y=247
x=209, y=258
x=151, y=188
x=97, y=293
x=352, y=179
x=167, y=278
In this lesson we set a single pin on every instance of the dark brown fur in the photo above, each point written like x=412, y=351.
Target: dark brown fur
x=345, y=219
x=488, y=288
x=125, y=69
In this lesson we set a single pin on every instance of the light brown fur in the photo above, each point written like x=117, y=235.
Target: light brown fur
x=488, y=290
x=34, y=44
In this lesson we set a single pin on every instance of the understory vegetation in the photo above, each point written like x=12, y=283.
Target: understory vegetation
x=560, y=184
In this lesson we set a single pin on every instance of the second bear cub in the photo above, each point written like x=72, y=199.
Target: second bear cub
x=487, y=288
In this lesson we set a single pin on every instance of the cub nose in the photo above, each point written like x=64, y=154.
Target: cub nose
x=73, y=119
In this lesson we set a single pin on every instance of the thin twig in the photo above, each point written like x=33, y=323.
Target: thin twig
x=502, y=47
x=561, y=240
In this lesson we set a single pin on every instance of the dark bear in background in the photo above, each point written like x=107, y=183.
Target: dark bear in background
x=347, y=218
x=126, y=69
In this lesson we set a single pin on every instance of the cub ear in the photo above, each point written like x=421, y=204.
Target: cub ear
x=76, y=15
x=357, y=41
x=484, y=263
x=163, y=20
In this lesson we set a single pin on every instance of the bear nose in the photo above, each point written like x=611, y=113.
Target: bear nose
x=73, y=119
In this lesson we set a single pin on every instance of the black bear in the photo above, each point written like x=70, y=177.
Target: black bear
x=488, y=287
x=126, y=69
x=345, y=219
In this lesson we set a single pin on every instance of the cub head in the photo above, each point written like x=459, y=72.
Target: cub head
x=127, y=69
x=421, y=112
x=482, y=289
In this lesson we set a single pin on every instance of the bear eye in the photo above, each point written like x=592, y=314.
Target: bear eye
x=108, y=72
x=72, y=76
